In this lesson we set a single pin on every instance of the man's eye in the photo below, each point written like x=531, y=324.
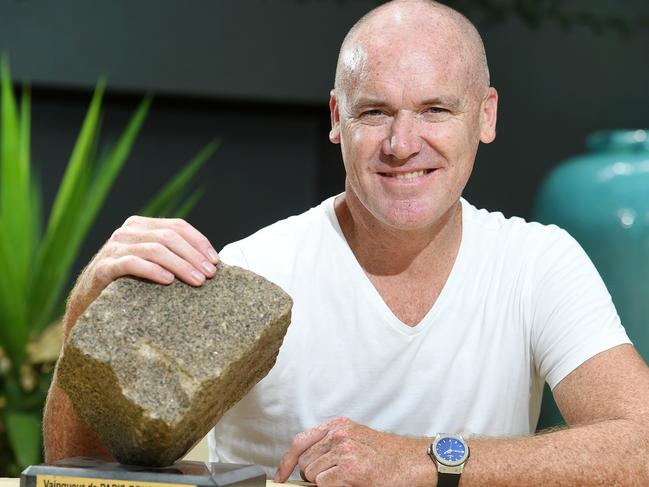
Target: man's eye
x=372, y=113
x=437, y=110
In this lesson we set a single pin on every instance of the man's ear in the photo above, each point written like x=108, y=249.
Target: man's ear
x=488, y=116
x=334, y=133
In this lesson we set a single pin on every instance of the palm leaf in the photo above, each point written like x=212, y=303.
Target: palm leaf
x=170, y=195
x=33, y=201
x=35, y=263
x=15, y=213
x=13, y=327
x=25, y=436
x=48, y=278
x=110, y=167
x=189, y=203
x=80, y=213
x=78, y=164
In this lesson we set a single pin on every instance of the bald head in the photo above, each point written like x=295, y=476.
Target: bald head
x=413, y=24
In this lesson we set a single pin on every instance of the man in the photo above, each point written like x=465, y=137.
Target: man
x=415, y=313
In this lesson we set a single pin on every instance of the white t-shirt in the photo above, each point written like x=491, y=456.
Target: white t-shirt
x=523, y=305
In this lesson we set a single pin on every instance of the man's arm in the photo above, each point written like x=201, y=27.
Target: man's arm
x=64, y=434
x=605, y=402
x=154, y=249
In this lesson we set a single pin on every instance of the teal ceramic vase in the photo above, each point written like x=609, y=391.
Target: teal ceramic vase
x=602, y=199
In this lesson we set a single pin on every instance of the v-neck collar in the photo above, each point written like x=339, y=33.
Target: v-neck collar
x=373, y=294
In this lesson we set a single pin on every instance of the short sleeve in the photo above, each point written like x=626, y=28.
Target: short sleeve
x=573, y=315
x=232, y=254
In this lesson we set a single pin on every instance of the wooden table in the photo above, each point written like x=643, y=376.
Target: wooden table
x=4, y=482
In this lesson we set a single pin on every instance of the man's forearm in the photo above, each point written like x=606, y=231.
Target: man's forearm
x=614, y=452
x=611, y=452
x=64, y=435
x=84, y=292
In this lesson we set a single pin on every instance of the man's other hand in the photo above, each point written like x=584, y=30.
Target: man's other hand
x=341, y=452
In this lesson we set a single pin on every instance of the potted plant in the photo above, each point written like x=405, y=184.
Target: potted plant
x=37, y=255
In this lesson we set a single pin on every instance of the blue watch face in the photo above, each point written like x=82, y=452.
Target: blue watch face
x=450, y=449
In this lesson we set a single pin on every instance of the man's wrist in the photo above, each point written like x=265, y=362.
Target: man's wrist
x=449, y=452
x=415, y=469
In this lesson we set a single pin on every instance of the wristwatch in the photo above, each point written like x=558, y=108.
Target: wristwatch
x=450, y=453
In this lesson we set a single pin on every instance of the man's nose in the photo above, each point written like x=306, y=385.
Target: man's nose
x=403, y=140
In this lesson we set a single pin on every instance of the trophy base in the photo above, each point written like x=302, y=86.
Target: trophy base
x=91, y=472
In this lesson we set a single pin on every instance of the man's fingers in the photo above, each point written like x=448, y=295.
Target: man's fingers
x=301, y=442
x=333, y=437
x=179, y=246
x=159, y=254
x=329, y=477
x=195, y=238
x=321, y=464
x=148, y=260
x=148, y=238
x=111, y=269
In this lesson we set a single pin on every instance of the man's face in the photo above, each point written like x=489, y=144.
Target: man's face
x=409, y=122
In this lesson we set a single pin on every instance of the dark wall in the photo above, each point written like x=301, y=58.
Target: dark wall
x=265, y=168
x=556, y=87
x=282, y=50
x=257, y=74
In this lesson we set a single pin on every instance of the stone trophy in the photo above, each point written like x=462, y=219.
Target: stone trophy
x=152, y=368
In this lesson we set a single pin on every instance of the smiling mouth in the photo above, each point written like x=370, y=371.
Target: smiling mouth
x=407, y=175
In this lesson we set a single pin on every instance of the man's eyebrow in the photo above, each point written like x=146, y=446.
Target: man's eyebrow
x=369, y=101
x=448, y=101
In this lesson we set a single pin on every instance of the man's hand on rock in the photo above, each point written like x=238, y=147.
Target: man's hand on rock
x=158, y=249
x=341, y=452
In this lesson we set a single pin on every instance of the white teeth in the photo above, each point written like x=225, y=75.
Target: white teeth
x=409, y=175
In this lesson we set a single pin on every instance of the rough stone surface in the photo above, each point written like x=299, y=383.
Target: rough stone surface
x=152, y=368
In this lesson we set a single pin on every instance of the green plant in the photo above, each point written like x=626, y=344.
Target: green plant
x=36, y=260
